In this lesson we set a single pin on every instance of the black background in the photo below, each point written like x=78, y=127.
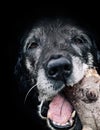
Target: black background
x=18, y=19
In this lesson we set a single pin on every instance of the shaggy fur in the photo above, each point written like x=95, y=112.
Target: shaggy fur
x=46, y=43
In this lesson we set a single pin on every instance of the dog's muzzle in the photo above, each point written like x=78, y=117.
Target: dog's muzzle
x=57, y=110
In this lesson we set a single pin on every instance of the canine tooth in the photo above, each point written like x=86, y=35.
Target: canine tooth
x=71, y=121
x=73, y=114
x=49, y=114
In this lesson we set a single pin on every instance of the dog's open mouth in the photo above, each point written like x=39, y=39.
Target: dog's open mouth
x=59, y=112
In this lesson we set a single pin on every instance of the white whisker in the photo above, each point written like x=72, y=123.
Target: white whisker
x=29, y=92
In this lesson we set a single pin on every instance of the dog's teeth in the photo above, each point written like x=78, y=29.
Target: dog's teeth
x=48, y=115
x=73, y=114
x=65, y=124
x=71, y=122
x=55, y=123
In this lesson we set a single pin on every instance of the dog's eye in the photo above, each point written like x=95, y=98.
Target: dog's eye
x=32, y=45
x=78, y=40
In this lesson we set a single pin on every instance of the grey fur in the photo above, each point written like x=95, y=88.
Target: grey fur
x=53, y=39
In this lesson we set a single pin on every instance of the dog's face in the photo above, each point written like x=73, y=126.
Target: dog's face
x=55, y=56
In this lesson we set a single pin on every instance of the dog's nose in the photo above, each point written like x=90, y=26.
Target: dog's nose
x=59, y=68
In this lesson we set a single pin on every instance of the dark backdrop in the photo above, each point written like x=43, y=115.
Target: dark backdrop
x=19, y=19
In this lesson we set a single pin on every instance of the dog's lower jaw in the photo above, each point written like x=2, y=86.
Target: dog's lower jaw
x=51, y=123
x=76, y=126
x=52, y=128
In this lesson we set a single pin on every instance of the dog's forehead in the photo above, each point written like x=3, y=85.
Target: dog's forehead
x=51, y=30
x=54, y=31
x=54, y=34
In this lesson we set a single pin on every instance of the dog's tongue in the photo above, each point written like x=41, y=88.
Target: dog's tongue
x=59, y=110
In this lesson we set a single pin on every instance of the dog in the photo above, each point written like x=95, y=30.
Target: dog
x=54, y=55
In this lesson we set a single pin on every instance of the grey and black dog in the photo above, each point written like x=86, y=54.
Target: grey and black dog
x=53, y=56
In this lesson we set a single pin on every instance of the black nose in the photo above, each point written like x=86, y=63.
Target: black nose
x=59, y=68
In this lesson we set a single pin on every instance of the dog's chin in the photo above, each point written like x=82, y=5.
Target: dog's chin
x=59, y=113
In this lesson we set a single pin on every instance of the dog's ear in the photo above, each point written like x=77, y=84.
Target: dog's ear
x=98, y=57
x=17, y=69
x=18, y=73
x=95, y=50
